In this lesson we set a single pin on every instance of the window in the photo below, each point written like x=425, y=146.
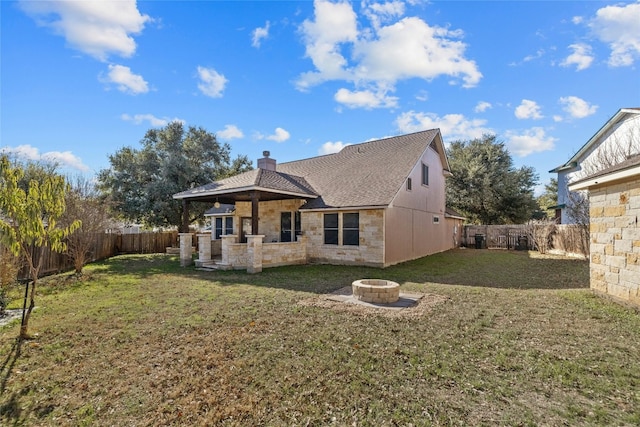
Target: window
x=351, y=229
x=285, y=226
x=228, y=226
x=331, y=229
x=436, y=219
x=408, y=184
x=218, y=228
x=297, y=224
x=425, y=174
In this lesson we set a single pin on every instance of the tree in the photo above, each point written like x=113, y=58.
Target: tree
x=485, y=186
x=29, y=220
x=546, y=200
x=84, y=203
x=141, y=182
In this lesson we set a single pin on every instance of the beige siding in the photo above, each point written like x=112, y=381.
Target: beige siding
x=410, y=229
x=615, y=240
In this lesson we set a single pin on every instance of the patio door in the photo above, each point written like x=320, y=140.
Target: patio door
x=245, y=228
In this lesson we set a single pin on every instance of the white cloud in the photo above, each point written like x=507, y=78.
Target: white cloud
x=581, y=57
x=618, y=26
x=452, y=126
x=153, y=120
x=97, y=28
x=533, y=140
x=335, y=23
x=365, y=99
x=258, y=34
x=382, y=54
x=576, y=107
x=528, y=110
x=482, y=106
x=230, y=132
x=382, y=12
x=125, y=80
x=280, y=135
x=211, y=83
x=331, y=147
x=61, y=158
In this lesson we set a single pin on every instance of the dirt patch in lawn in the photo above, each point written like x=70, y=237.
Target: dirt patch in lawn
x=410, y=305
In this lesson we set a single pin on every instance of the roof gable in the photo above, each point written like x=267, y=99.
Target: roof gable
x=597, y=138
x=367, y=174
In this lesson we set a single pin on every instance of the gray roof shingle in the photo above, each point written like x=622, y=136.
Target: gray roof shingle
x=366, y=174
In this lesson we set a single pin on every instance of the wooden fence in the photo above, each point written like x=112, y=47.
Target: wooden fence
x=106, y=245
x=568, y=239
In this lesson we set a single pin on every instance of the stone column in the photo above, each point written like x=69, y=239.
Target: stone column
x=185, y=249
x=254, y=253
x=204, y=248
x=227, y=240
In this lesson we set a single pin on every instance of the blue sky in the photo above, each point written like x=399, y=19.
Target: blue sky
x=81, y=79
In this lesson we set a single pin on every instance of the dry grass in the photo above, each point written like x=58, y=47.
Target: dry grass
x=514, y=339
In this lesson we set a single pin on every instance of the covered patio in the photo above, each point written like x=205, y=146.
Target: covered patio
x=254, y=192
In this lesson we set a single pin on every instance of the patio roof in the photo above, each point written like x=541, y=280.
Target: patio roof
x=269, y=185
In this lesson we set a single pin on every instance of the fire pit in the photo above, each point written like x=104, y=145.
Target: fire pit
x=376, y=291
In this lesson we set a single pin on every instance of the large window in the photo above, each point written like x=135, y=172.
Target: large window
x=285, y=226
x=223, y=225
x=331, y=229
x=288, y=234
x=351, y=229
x=347, y=223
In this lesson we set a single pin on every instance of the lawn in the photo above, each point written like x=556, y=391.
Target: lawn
x=500, y=338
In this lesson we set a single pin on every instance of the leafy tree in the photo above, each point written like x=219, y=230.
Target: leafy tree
x=485, y=186
x=546, y=200
x=141, y=182
x=83, y=202
x=29, y=219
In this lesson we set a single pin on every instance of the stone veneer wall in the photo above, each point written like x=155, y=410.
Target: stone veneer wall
x=615, y=240
x=285, y=253
x=370, y=251
x=269, y=213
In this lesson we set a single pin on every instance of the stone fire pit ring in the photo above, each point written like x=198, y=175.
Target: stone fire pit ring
x=376, y=291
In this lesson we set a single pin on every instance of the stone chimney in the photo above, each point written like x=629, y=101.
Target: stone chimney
x=267, y=163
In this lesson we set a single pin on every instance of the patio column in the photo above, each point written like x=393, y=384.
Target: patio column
x=254, y=254
x=227, y=241
x=255, y=200
x=204, y=248
x=185, y=249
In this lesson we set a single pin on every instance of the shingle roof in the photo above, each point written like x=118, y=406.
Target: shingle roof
x=367, y=174
x=257, y=178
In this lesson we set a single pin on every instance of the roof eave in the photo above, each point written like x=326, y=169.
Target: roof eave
x=587, y=183
x=226, y=192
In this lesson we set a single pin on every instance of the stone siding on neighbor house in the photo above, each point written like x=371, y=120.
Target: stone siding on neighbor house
x=370, y=250
x=615, y=240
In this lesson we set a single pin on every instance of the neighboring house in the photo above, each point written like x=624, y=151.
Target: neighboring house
x=618, y=139
x=614, y=199
x=377, y=204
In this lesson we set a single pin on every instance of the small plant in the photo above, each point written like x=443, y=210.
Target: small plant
x=540, y=232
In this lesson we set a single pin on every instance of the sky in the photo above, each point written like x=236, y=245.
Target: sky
x=79, y=80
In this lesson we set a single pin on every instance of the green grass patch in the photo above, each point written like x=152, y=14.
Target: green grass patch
x=518, y=340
